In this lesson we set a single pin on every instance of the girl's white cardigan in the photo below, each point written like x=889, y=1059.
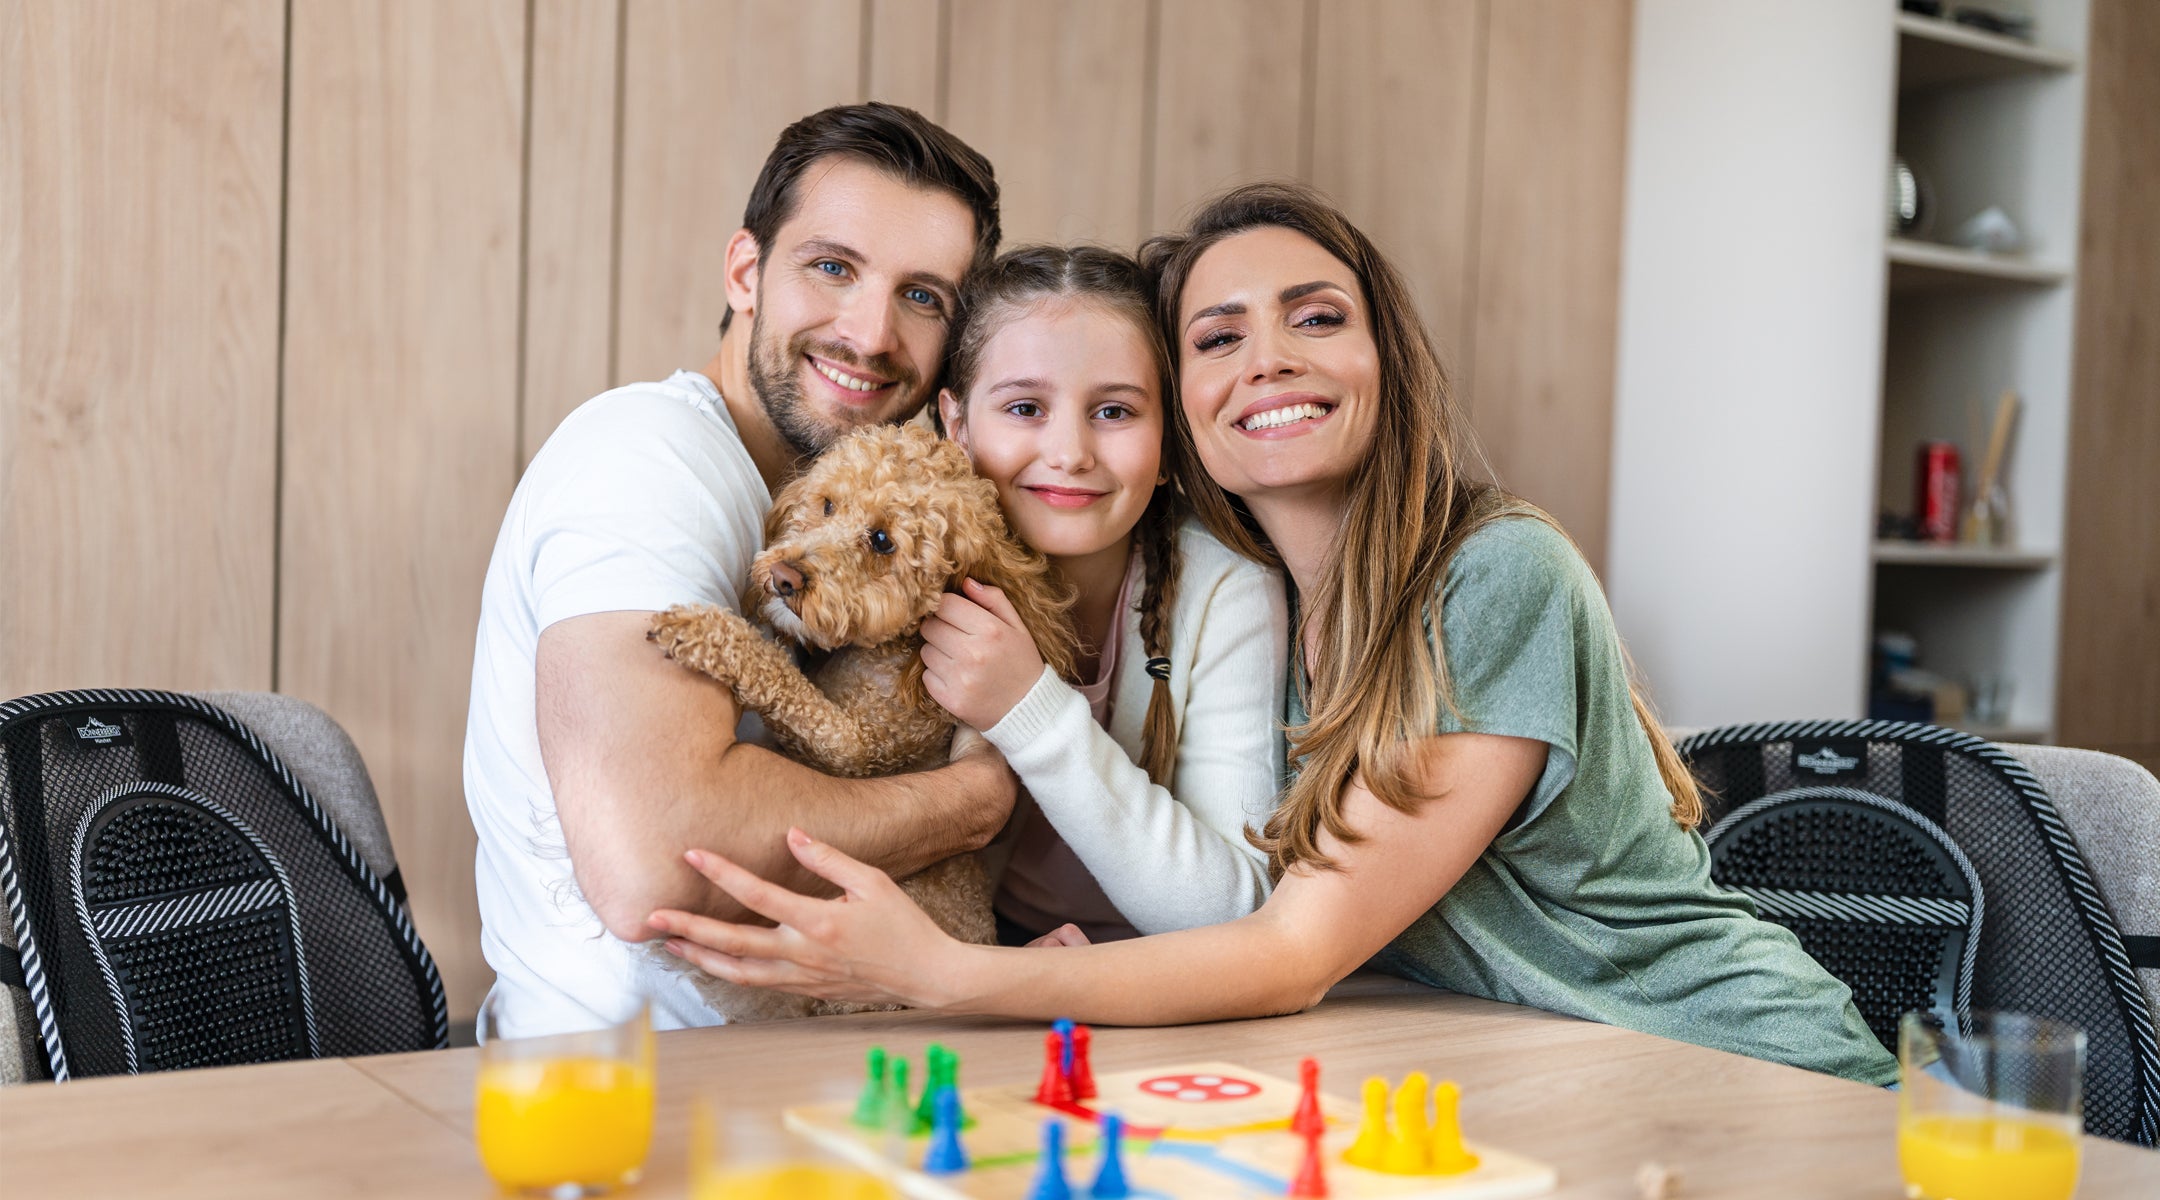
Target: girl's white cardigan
x=1170, y=858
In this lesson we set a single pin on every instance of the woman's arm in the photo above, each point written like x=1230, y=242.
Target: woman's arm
x=1171, y=861
x=873, y=944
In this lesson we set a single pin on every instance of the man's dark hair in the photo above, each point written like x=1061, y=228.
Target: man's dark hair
x=899, y=141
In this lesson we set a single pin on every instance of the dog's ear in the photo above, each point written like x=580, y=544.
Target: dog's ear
x=983, y=549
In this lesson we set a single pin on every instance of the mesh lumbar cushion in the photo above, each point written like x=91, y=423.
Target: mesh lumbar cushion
x=179, y=900
x=1873, y=841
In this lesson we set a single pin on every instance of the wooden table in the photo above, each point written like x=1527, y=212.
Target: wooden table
x=1594, y=1101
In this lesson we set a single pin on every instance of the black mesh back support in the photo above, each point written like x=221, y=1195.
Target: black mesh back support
x=2047, y=944
x=179, y=900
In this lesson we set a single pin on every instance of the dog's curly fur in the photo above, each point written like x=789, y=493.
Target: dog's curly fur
x=877, y=529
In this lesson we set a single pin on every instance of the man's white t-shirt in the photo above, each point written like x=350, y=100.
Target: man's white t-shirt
x=644, y=497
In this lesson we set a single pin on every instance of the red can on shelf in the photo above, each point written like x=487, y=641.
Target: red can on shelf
x=1935, y=511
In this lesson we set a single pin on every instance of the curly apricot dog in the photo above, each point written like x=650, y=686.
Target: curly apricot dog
x=857, y=551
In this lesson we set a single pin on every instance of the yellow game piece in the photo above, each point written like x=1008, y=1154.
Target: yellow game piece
x=1407, y=1151
x=1448, y=1155
x=1371, y=1145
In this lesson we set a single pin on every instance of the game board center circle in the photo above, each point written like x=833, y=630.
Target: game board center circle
x=1198, y=1089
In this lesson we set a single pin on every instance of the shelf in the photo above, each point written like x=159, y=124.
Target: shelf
x=2029, y=734
x=1921, y=266
x=1935, y=53
x=1924, y=554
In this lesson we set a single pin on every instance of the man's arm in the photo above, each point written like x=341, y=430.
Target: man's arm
x=642, y=757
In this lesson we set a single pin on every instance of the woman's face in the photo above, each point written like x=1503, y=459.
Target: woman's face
x=1065, y=417
x=1278, y=370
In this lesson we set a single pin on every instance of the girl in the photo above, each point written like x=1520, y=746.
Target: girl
x=1057, y=380
x=1480, y=802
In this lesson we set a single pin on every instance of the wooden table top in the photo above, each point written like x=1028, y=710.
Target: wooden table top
x=1594, y=1101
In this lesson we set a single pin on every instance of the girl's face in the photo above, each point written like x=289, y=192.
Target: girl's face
x=1066, y=418
x=1278, y=370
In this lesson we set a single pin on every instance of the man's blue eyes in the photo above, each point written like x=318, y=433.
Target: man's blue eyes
x=921, y=296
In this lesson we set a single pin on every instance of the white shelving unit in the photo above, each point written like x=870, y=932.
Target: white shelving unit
x=1985, y=120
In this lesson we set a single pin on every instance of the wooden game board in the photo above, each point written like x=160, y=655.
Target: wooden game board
x=1192, y=1130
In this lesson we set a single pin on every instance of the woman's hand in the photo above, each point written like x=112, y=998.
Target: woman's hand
x=978, y=660
x=871, y=945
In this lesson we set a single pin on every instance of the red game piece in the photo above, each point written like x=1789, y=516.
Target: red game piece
x=1056, y=1086
x=1307, y=1119
x=1311, y=1180
x=1083, y=1076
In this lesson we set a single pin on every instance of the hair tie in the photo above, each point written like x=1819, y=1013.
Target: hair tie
x=1159, y=668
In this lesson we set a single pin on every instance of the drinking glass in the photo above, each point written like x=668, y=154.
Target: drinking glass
x=745, y=1156
x=1992, y=1112
x=569, y=1114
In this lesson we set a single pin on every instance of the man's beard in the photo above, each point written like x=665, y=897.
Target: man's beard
x=774, y=375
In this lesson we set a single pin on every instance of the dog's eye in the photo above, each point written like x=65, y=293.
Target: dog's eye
x=881, y=541
x=828, y=506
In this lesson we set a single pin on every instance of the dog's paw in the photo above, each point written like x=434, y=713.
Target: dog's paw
x=678, y=627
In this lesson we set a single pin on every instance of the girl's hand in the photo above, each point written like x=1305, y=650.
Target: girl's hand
x=978, y=660
x=1067, y=934
x=870, y=945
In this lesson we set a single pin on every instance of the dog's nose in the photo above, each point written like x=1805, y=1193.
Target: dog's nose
x=786, y=580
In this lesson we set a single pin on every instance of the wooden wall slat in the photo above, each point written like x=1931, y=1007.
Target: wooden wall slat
x=570, y=212
x=1052, y=93
x=707, y=87
x=907, y=55
x=1231, y=95
x=400, y=404
x=139, y=162
x=1394, y=124
x=2108, y=691
x=1545, y=325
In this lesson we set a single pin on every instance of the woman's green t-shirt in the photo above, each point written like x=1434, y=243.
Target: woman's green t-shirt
x=1592, y=901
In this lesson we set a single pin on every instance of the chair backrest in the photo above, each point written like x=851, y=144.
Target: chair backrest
x=2112, y=806
x=2048, y=944
x=150, y=841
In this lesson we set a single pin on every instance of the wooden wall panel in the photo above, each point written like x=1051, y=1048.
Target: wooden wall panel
x=1544, y=328
x=570, y=213
x=706, y=89
x=1395, y=116
x=400, y=404
x=2109, y=686
x=138, y=342
x=1054, y=94
x=905, y=53
x=1233, y=85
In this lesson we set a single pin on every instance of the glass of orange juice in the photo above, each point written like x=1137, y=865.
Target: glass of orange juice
x=569, y=1114
x=745, y=1155
x=1992, y=1111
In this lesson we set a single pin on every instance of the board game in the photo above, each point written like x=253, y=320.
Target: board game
x=1166, y=1133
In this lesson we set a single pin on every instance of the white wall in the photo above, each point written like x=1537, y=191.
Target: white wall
x=1751, y=327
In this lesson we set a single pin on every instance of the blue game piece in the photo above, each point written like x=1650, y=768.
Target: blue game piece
x=1064, y=1028
x=945, y=1155
x=1050, y=1179
x=1110, y=1179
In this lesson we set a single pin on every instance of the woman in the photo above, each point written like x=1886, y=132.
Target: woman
x=1057, y=382
x=1480, y=802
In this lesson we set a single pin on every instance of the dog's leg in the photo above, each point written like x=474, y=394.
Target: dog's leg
x=719, y=642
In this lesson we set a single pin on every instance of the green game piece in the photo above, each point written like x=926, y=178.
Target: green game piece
x=870, y=1108
x=937, y=1075
x=899, y=1117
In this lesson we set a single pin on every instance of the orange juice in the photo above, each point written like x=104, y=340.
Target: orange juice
x=792, y=1181
x=543, y=1122
x=1973, y=1156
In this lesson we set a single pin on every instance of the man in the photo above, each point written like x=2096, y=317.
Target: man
x=592, y=762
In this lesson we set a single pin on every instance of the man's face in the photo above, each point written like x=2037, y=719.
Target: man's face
x=853, y=299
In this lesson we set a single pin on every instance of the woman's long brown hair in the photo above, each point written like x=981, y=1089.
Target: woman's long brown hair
x=1377, y=679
